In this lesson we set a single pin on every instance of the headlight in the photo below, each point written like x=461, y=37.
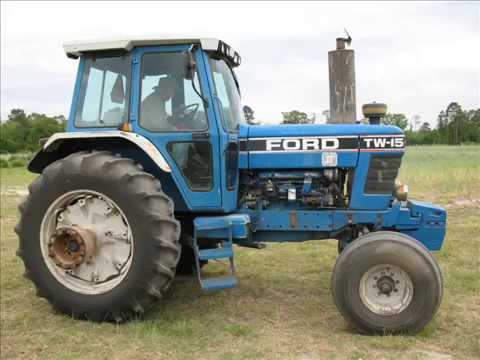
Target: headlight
x=401, y=191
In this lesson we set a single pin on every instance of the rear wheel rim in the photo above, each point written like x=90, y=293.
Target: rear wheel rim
x=86, y=242
x=386, y=289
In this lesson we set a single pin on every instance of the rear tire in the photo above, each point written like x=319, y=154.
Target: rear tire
x=148, y=213
x=186, y=264
x=386, y=283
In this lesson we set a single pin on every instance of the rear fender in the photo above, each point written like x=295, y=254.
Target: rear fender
x=52, y=147
x=130, y=145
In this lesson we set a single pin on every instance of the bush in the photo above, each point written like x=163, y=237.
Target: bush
x=4, y=163
x=17, y=162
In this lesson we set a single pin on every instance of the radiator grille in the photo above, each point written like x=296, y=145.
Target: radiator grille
x=382, y=173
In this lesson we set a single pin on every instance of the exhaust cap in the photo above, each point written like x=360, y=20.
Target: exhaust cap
x=374, y=112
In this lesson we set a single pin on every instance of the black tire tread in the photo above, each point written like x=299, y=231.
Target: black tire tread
x=159, y=211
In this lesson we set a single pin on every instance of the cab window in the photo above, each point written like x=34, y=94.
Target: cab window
x=168, y=101
x=103, y=100
x=227, y=91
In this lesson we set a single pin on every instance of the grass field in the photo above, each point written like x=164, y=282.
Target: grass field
x=282, y=308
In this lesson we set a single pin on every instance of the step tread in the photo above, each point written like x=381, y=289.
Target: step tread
x=220, y=282
x=220, y=222
x=217, y=253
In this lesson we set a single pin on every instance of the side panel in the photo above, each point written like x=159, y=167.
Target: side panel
x=424, y=222
x=294, y=152
x=308, y=146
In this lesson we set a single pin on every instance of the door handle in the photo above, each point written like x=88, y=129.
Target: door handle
x=200, y=135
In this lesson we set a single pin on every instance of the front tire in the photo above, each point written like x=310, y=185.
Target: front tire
x=98, y=237
x=386, y=283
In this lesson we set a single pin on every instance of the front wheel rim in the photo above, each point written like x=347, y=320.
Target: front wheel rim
x=86, y=242
x=386, y=289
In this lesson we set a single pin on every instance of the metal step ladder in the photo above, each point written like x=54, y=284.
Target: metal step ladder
x=224, y=228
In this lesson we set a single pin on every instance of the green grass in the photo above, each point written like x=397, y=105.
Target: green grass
x=15, y=160
x=282, y=308
x=442, y=174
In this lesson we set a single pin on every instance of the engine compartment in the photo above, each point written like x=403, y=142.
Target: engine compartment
x=305, y=189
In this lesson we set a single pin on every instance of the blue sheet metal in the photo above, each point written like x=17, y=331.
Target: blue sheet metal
x=424, y=222
x=321, y=130
x=219, y=226
x=219, y=283
x=216, y=253
x=304, y=146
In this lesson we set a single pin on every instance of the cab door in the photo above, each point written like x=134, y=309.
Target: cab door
x=226, y=95
x=178, y=118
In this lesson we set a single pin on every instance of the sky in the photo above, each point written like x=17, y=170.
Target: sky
x=416, y=56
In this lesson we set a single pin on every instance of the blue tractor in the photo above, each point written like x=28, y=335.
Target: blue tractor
x=158, y=173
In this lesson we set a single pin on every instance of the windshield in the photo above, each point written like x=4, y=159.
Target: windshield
x=103, y=92
x=227, y=92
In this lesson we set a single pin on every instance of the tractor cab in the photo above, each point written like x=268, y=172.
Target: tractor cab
x=179, y=94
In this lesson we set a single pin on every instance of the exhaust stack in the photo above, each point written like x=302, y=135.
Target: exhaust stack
x=341, y=70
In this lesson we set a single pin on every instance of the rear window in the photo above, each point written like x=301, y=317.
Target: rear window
x=103, y=100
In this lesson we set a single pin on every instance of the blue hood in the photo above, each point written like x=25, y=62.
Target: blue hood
x=254, y=131
x=308, y=146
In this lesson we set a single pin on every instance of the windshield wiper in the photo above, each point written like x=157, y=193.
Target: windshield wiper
x=235, y=80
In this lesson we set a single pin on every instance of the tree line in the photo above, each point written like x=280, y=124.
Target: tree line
x=454, y=125
x=22, y=132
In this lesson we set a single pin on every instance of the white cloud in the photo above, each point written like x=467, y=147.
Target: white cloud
x=415, y=56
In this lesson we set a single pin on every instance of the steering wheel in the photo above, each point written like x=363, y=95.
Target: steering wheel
x=185, y=113
x=183, y=117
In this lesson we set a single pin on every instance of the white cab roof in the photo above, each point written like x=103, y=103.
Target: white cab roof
x=76, y=48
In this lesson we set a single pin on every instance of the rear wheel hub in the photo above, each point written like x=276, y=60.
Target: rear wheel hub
x=70, y=246
x=86, y=242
